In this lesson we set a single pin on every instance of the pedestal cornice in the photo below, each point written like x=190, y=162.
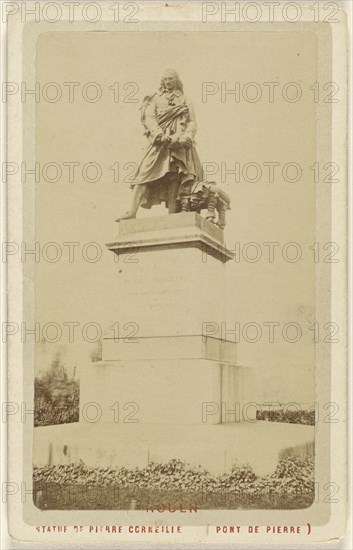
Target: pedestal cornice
x=181, y=230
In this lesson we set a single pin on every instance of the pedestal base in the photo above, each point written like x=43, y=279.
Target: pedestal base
x=215, y=448
x=185, y=391
x=166, y=380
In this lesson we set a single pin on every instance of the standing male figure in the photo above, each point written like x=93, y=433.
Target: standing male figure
x=171, y=164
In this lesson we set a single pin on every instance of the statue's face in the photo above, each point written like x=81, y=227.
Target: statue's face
x=169, y=81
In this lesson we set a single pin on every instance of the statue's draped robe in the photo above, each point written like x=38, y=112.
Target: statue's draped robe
x=172, y=114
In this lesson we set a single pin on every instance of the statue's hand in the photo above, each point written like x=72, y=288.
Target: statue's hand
x=164, y=139
x=185, y=142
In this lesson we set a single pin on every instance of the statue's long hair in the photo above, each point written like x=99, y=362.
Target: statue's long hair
x=179, y=84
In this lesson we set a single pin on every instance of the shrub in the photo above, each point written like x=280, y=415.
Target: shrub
x=306, y=417
x=292, y=476
x=56, y=397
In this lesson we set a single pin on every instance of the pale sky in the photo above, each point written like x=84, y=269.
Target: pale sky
x=106, y=132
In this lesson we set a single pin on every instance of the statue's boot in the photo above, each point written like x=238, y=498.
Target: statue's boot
x=138, y=195
x=129, y=215
x=173, y=188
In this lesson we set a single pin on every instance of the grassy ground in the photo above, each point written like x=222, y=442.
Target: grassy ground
x=54, y=496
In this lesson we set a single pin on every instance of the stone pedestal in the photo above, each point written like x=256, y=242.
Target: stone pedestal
x=165, y=380
x=169, y=276
x=158, y=366
x=164, y=389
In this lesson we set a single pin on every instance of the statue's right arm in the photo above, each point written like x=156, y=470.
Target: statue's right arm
x=151, y=121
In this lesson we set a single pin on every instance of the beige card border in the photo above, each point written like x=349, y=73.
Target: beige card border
x=22, y=37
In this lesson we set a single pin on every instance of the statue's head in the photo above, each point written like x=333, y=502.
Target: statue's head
x=171, y=81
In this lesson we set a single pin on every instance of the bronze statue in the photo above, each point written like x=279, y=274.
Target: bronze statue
x=171, y=170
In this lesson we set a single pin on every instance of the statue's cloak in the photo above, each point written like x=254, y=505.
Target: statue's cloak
x=161, y=160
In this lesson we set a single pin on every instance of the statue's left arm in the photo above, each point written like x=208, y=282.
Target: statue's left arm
x=191, y=127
